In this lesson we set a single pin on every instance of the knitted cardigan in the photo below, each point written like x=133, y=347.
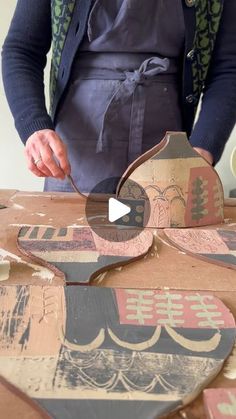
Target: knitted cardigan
x=209, y=65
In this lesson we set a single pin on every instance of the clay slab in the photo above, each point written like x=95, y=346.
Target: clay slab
x=182, y=188
x=79, y=254
x=214, y=246
x=99, y=352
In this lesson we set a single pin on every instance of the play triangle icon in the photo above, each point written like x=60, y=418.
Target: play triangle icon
x=117, y=210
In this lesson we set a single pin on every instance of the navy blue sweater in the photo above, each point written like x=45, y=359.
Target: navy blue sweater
x=29, y=40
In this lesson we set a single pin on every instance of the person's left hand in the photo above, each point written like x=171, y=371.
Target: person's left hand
x=205, y=154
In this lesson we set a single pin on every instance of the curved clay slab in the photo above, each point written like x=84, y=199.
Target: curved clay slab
x=183, y=189
x=214, y=246
x=78, y=254
x=89, y=352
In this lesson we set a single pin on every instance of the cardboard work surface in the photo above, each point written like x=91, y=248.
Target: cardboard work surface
x=165, y=267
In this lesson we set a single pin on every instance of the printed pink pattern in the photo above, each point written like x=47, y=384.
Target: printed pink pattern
x=172, y=308
x=220, y=403
x=198, y=241
x=134, y=247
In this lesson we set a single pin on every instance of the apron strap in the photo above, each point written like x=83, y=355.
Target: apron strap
x=146, y=74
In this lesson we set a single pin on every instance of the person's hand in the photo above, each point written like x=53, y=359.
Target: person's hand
x=205, y=154
x=46, y=155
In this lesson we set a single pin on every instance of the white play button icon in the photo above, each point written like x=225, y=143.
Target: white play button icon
x=117, y=210
x=109, y=215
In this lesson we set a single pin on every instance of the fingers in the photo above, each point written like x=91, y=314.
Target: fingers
x=46, y=155
x=205, y=154
x=48, y=163
x=32, y=167
x=59, y=150
x=39, y=165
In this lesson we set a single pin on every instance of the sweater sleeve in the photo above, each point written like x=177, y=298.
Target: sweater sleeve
x=23, y=60
x=218, y=110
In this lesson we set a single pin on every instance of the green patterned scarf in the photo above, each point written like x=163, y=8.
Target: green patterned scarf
x=208, y=14
x=61, y=12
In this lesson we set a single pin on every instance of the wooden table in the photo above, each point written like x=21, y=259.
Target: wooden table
x=164, y=268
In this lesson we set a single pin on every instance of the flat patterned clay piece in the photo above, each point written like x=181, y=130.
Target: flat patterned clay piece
x=88, y=352
x=78, y=253
x=183, y=189
x=220, y=403
x=216, y=246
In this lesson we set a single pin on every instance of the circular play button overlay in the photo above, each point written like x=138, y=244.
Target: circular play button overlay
x=117, y=218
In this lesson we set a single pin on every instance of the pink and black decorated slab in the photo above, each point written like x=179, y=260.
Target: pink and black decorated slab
x=215, y=246
x=78, y=253
x=87, y=352
x=220, y=403
x=183, y=190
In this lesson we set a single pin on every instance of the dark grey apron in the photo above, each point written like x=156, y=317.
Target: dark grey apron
x=123, y=95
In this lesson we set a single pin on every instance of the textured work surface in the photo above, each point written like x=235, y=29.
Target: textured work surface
x=14, y=404
x=93, y=352
x=183, y=189
x=80, y=254
x=216, y=246
x=164, y=267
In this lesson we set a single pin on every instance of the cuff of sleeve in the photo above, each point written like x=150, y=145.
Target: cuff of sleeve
x=25, y=131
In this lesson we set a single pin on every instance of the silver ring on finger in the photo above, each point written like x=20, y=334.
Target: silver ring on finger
x=37, y=161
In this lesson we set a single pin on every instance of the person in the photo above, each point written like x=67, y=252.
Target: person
x=123, y=72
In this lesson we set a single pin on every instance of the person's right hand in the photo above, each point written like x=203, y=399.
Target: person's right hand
x=46, y=155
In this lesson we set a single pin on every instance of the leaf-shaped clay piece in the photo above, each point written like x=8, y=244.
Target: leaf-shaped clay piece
x=212, y=245
x=78, y=253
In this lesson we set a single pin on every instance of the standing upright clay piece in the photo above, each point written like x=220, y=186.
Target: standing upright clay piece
x=183, y=189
